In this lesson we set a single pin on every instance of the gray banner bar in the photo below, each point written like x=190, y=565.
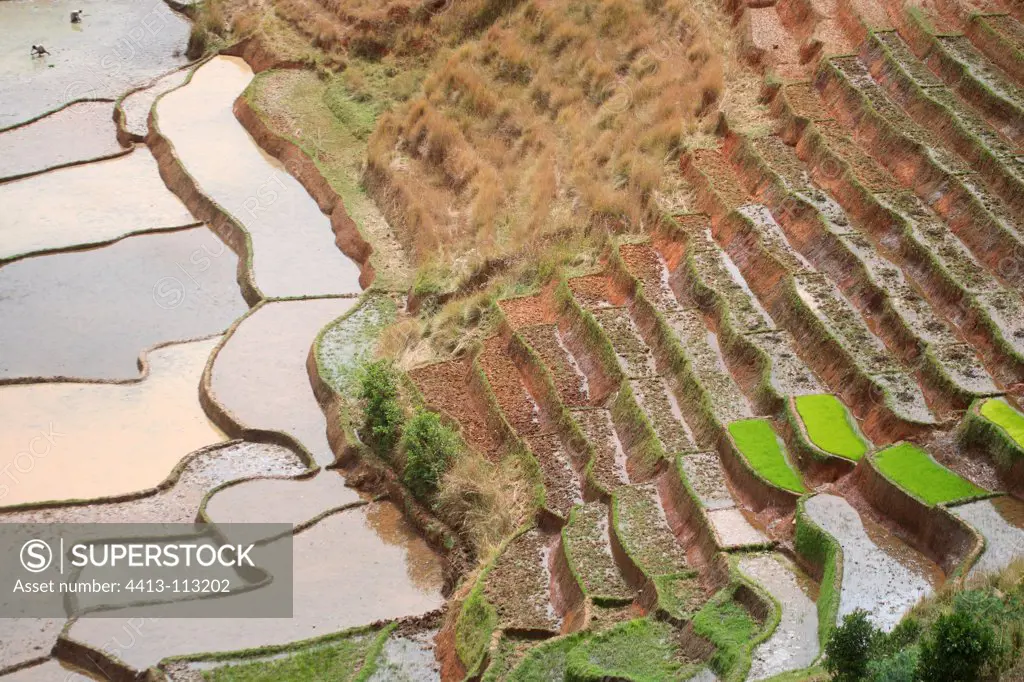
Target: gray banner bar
x=232, y=570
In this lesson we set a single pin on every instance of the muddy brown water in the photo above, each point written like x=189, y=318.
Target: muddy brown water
x=85, y=205
x=139, y=292
x=293, y=249
x=260, y=377
x=120, y=44
x=351, y=568
x=80, y=132
x=86, y=440
x=881, y=574
x=1001, y=521
x=794, y=644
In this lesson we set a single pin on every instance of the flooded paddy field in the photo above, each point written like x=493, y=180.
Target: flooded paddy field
x=1001, y=521
x=142, y=291
x=181, y=336
x=137, y=105
x=352, y=568
x=119, y=45
x=293, y=249
x=259, y=376
x=794, y=644
x=49, y=671
x=88, y=440
x=80, y=132
x=881, y=574
x=82, y=206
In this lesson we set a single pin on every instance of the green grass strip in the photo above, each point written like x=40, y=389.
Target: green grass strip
x=830, y=426
x=547, y=661
x=758, y=444
x=727, y=625
x=914, y=470
x=1000, y=413
x=638, y=650
x=338, y=661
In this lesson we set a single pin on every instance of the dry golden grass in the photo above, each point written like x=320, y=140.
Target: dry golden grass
x=486, y=501
x=550, y=116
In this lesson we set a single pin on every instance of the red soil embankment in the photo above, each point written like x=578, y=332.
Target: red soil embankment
x=935, y=532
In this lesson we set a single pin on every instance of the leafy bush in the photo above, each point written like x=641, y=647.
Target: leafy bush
x=899, y=667
x=849, y=648
x=382, y=412
x=956, y=649
x=903, y=635
x=429, y=447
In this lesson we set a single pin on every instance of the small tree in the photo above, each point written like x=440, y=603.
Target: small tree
x=382, y=413
x=849, y=648
x=956, y=649
x=430, y=447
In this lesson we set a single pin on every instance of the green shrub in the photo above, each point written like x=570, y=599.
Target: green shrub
x=906, y=633
x=429, y=447
x=382, y=412
x=849, y=648
x=899, y=667
x=956, y=648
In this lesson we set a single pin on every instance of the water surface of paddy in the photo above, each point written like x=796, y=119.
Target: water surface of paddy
x=280, y=501
x=352, y=568
x=204, y=471
x=1001, y=521
x=136, y=106
x=794, y=644
x=84, y=440
x=80, y=132
x=119, y=44
x=89, y=314
x=881, y=574
x=293, y=249
x=260, y=376
x=49, y=671
x=86, y=205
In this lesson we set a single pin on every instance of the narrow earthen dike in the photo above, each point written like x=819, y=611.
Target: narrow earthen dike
x=230, y=227
x=303, y=169
x=202, y=207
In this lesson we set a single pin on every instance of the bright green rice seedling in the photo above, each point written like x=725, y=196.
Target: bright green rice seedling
x=913, y=469
x=761, y=448
x=830, y=426
x=1002, y=414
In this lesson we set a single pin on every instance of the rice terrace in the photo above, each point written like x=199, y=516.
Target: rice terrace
x=579, y=340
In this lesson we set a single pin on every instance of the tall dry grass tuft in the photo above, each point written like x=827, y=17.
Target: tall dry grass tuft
x=485, y=501
x=552, y=108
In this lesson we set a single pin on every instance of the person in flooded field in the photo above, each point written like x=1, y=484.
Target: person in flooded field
x=76, y=16
x=39, y=51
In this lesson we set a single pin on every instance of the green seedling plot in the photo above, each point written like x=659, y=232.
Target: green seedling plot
x=1000, y=413
x=830, y=426
x=729, y=626
x=350, y=657
x=914, y=470
x=639, y=650
x=759, y=445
